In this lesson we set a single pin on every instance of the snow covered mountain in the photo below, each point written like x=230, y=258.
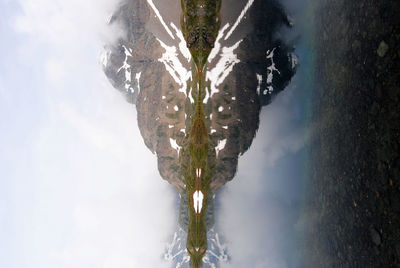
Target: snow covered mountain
x=246, y=69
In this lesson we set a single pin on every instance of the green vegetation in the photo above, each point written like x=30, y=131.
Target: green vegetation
x=197, y=159
x=200, y=22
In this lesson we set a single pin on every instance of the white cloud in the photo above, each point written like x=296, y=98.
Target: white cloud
x=70, y=23
x=84, y=189
x=117, y=209
x=280, y=134
x=55, y=71
x=255, y=218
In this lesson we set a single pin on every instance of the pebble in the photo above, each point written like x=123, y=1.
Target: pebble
x=382, y=49
x=376, y=238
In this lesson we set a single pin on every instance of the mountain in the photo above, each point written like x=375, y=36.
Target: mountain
x=151, y=67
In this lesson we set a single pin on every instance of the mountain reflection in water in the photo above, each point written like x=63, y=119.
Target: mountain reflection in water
x=198, y=78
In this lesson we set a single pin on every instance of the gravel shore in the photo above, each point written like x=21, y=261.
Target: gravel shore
x=353, y=208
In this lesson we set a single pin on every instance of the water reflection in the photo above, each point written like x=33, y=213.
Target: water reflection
x=198, y=78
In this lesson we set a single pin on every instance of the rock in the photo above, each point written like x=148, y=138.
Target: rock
x=382, y=49
x=375, y=236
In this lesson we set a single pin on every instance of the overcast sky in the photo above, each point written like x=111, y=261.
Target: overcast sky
x=78, y=187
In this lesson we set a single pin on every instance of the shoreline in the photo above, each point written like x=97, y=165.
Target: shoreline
x=353, y=205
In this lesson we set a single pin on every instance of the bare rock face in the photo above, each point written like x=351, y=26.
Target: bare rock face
x=124, y=60
x=246, y=69
x=133, y=67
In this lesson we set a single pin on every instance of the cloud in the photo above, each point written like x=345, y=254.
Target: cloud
x=259, y=209
x=299, y=13
x=283, y=133
x=99, y=199
x=83, y=190
x=66, y=23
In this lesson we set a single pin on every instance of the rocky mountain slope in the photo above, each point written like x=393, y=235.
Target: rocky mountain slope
x=151, y=66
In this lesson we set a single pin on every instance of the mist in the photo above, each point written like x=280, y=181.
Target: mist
x=79, y=188
x=260, y=211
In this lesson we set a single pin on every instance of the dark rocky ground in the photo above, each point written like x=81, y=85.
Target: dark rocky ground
x=353, y=210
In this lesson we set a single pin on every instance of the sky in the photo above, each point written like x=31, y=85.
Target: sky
x=78, y=187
